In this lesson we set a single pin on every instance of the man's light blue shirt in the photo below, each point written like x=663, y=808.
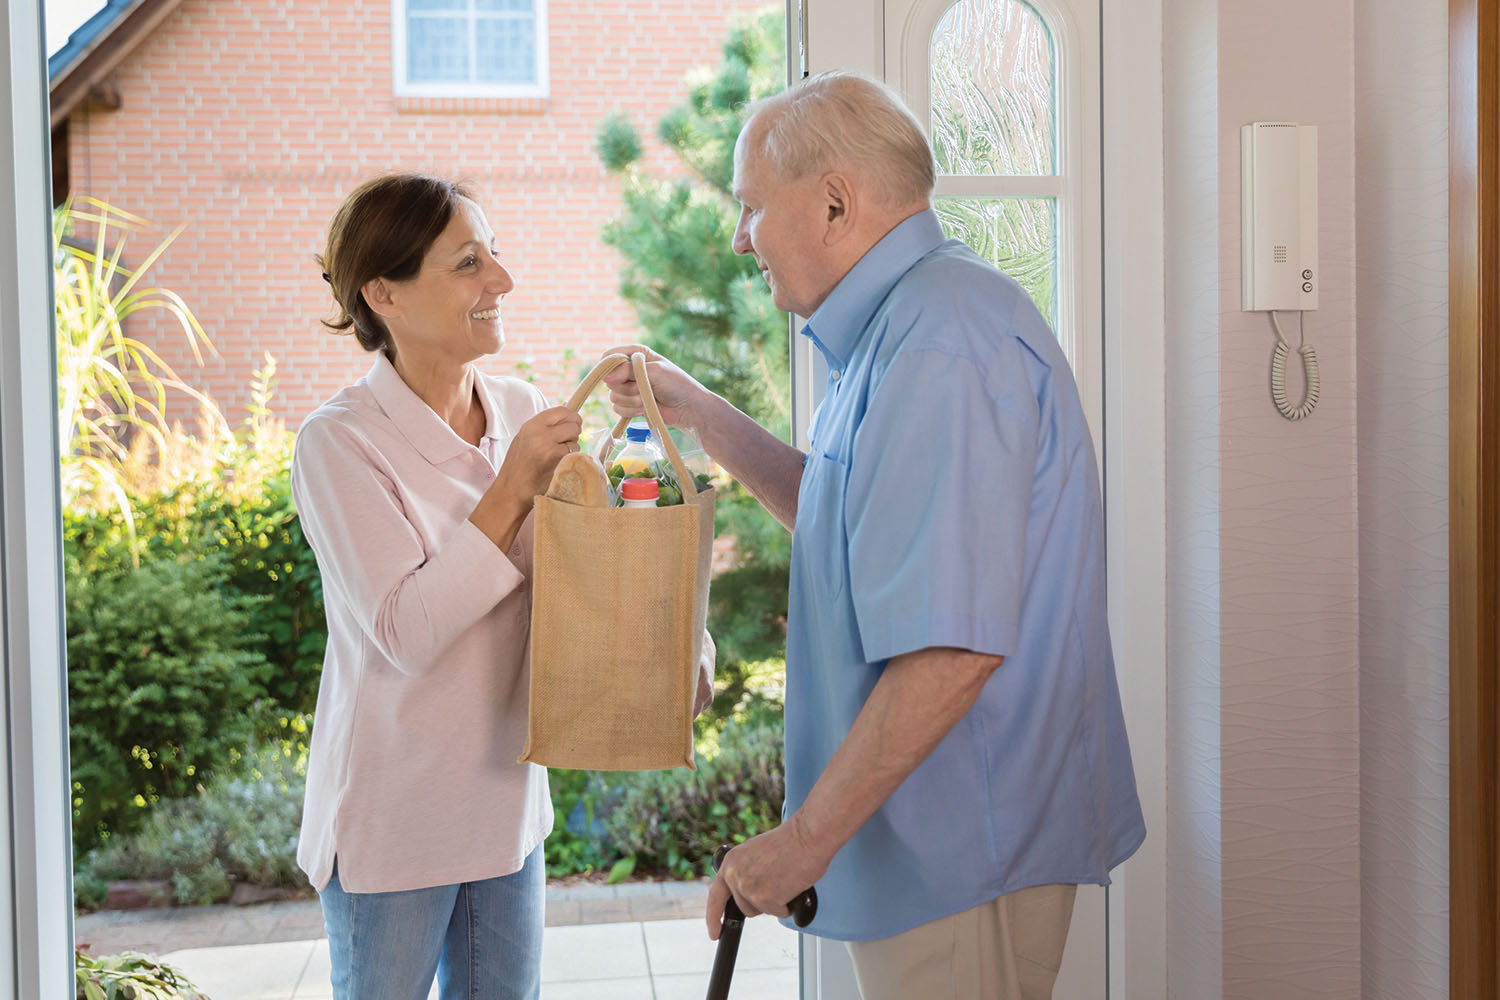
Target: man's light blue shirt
x=951, y=498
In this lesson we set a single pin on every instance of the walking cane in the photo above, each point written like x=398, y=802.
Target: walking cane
x=803, y=908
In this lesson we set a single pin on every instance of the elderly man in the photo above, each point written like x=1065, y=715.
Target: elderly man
x=955, y=749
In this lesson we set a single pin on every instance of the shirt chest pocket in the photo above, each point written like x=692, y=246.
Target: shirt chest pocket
x=819, y=545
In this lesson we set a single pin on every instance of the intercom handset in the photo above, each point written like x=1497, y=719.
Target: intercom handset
x=1279, y=241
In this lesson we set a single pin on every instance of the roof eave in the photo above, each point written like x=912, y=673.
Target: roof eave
x=72, y=86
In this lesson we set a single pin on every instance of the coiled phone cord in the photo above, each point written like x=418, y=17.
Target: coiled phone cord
x=1278, y=372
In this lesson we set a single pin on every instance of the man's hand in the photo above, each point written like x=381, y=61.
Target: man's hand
x=765, y=873
x=768, y=467
x=675, y=390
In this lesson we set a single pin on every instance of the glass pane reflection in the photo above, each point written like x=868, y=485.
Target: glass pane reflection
x=994, y=104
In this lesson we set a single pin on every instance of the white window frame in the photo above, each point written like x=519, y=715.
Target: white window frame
x=540, y=87
x=36, y=924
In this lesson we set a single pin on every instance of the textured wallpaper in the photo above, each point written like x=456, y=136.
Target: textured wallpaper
x=1191, y=127
x=1307, y=604
x=1402, y=278
x=1289, y=652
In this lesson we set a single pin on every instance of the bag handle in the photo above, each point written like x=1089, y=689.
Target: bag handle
x=637, y=361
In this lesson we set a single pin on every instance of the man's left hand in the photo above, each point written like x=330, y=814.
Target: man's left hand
x=764, y=874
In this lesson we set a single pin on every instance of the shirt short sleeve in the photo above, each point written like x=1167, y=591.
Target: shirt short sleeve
x=940, y=482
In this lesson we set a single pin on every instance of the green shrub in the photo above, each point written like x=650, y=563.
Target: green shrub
x=574, y=845
x=129, y=976
x=239, y=829
x=267, y=562
x=671, y=822
x=267, y=556
x=163, y=681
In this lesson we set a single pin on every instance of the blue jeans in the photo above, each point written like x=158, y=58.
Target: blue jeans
x=483, y=940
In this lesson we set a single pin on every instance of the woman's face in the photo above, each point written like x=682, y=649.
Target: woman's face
x=450, y=310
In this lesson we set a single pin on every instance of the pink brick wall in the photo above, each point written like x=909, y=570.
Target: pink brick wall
x=250, y=121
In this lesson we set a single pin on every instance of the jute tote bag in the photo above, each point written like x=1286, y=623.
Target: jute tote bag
x=619, y=599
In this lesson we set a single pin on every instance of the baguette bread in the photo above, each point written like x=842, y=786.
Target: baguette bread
x=580, y=479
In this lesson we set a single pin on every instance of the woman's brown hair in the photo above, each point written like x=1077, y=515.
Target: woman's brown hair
x=382, y=230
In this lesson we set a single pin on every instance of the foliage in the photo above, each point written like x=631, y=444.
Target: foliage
x=129, y=975
x=661, y=822
x=111, y=387
x=163, y=677
x=242, y=828
x=671, y=822
x=574, y=845
x=709, y=310
x=234, y=500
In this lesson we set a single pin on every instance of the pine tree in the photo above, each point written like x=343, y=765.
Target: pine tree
x=709, y=310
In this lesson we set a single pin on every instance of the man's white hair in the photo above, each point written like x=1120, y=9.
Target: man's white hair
x=840, y=120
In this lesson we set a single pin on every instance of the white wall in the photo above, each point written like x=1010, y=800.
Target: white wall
x=1401, y=188
x=1193, y=864
x=1307, y=611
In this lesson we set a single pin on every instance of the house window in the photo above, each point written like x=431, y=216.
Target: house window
x=470, y=48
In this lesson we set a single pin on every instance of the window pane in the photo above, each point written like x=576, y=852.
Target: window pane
x=506, y=49
x=1017, y=235
x=993, y=92
x=516, y=6
x=419, y=5
x=437, y=49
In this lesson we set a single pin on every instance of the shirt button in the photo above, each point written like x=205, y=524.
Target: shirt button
x=836, y=375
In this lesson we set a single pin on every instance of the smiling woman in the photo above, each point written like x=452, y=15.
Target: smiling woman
x=414, y=487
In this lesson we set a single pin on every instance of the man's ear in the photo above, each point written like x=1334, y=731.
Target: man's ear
x=839, y=203
x=378, y=297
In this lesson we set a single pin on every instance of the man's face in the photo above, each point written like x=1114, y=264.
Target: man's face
x=783, y=224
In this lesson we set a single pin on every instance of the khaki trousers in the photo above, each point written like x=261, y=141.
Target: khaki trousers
x=1007, y=949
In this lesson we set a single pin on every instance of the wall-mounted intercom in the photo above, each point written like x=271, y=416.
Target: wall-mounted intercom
x=1279, y=189
x=1279, y=240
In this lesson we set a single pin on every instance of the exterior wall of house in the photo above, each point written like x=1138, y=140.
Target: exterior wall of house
x=247, y=123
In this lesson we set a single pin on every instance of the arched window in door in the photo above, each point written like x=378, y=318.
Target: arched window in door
x=1009, y=92
x=993, y=108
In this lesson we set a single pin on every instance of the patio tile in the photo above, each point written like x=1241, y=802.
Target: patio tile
x=564, y=912
x=315, y=983
x=697, y=889
x=638, y=988
x=245, y=972
x=682, y=946
x=749, y=984
x=663, y=907
x=253, y=927
x=593, y=951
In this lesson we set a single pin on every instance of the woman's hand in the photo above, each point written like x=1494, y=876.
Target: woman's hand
x=535, y=451
x=526, y=472
x=675, y=390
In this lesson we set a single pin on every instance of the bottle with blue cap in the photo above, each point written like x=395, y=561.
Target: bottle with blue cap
x=643, y=458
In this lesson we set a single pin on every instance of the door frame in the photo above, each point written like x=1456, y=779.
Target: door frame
x=1474, y=497
x=36, y=920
